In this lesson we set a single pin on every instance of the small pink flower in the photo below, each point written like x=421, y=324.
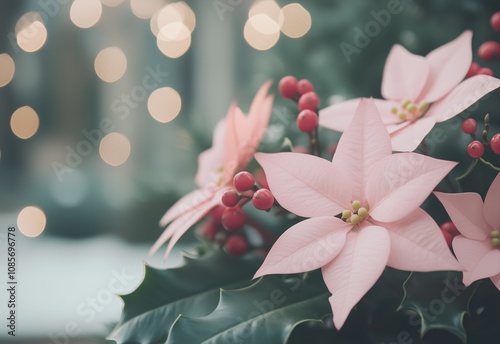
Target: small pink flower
x=478, y=248
x=235, y=140
x=378, y=195
x=419, y=92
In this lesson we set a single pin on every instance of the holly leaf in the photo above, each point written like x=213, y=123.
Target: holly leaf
x=440, y=301
x=192, y=289
x=264, y=312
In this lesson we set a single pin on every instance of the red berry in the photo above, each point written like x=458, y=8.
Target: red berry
x=208, y=230
x=475, y=149
x=450, y=227
x=236, y=245
x=469, y=126
x=307, y=120
x=263, y=199
x=495, y=21
x=308, y=101
x=288, y=87
x=233, y=218
x=230, y=198
x=243, y=181
x=495, y=143
x=473, y=69
x=448, y=237
x=260, y=178
x=304, y=86
x=488, y=50
x=216, y=214
x=485, y=71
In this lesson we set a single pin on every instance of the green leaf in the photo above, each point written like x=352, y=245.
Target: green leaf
x=192, y=289
x=440, y=300
x=264, y=312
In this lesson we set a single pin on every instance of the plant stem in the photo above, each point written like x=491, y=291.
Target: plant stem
x=490, y=165
x=469, y=170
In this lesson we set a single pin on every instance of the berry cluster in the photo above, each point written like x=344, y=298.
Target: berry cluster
x=302, y=92
x=226, y=221
x=476, y=148
x=488, y=51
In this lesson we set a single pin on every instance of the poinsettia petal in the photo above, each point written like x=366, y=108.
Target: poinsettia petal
x=417, y=244
x=469, y=253
x=496, y=281
x=399, y=183
x=306, y=185
x=407, y=138
x=466, y=212
x=392, y=128
x=180, y=225
x=448, y=66
x=362, y=145
x=491, y=209
x=338, y=116
x=356, y=269
x=405, y=75
x=306, y=246
x=187, y=203
x=487, y=266
x=256, y=110
x=461, y=97
x=212, y=159
x=231, y=143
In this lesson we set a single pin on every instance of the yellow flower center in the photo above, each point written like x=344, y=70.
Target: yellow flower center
x=357, y=214
x=409, y=111
x=495, y=238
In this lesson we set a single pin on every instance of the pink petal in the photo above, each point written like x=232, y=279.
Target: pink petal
x=180, y=225
x=496, y=281
x=362, y=145
x=257, y=110
x=306, y=246
x=405, y=75
x=231, y=143
x=461, y=97
x=487, y=267
x=417, y=244
x=306, y=185
x=356, y=269
x=187, y=203
x=466, y=212
x=469, y=253
x=407, y=138
x=449, y=64
x=211, y=160
x=339, y=116
x=491, y=208
x=399, y=183
x=392, y=128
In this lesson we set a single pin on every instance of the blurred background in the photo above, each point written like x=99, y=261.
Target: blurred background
x=106, y=104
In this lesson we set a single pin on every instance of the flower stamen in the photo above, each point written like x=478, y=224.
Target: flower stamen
x=357, y=214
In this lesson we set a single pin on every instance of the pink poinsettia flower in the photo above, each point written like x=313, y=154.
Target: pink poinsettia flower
x=478, y=248
x=235, y=140
x=419, y=92
x=378, y=195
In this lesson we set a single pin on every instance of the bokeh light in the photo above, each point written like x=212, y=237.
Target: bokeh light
x=114, y=149
x=85, y=13
x=258, y=40
x=174, y=40
x=31, y=37
x=31, y=221
x=24, y=122
x=7, y=69
x=296, y=20
x=111, y=3
x=164, y=104
x=110, y=64
x=174, y=13
x=269, y=8
x=145, y=9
